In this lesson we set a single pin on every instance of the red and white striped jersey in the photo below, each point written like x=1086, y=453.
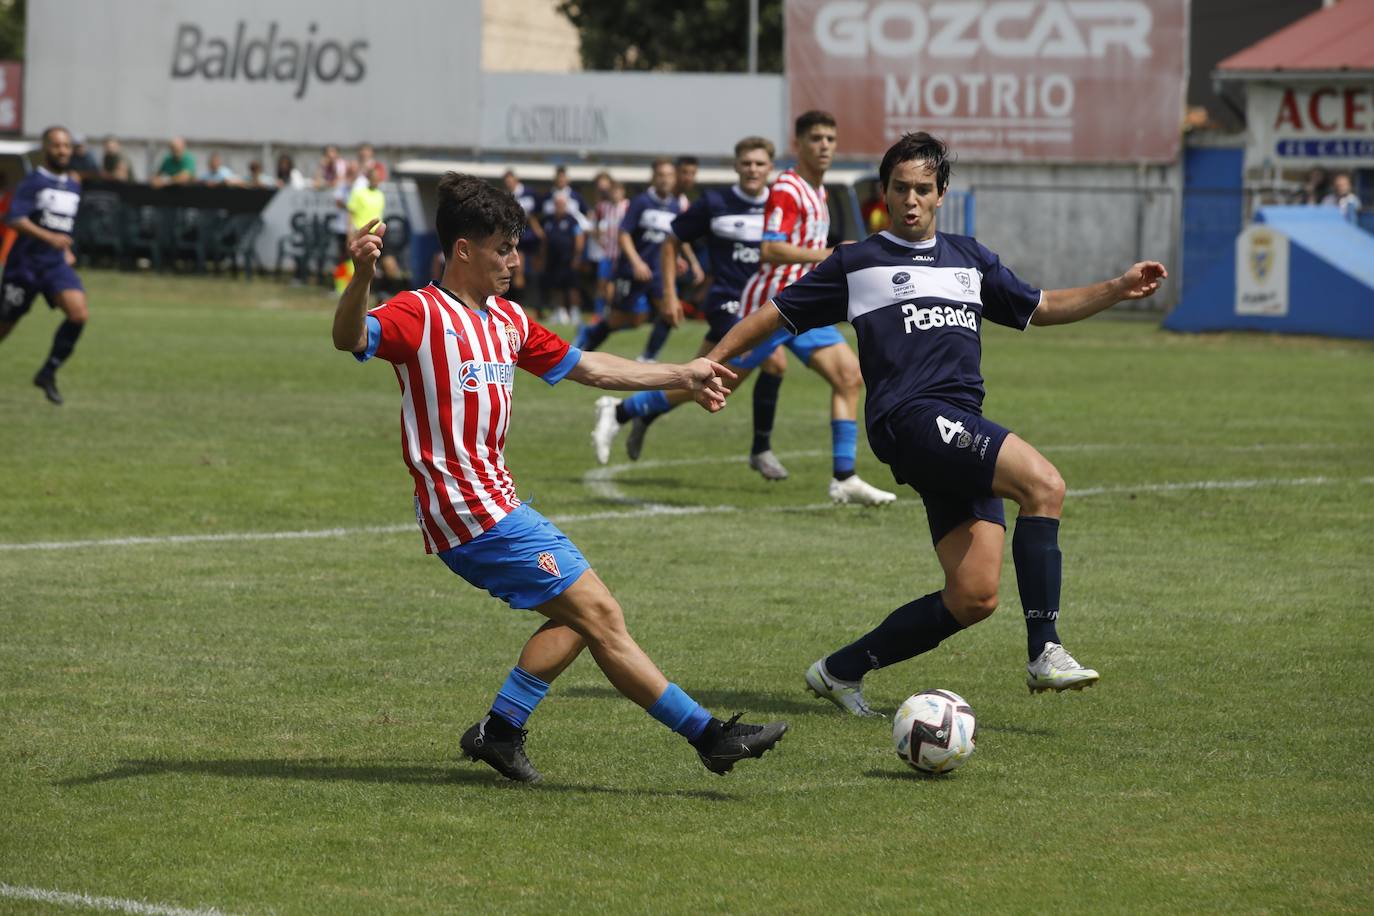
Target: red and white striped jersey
x=456, y=367
x=796, y=213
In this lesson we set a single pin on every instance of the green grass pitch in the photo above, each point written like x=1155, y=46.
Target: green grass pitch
x=265, y=725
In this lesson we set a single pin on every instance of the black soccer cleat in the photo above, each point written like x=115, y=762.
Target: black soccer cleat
x=736, y=742
x=505, y=757
x=48, y=382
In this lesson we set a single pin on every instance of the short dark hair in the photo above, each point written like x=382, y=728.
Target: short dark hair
x=469, y=208
x=51, y=130
x=917, y=147
x=687, y=160
x=810, y=119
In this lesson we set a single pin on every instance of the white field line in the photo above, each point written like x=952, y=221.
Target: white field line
x=601, y=482
x=86, y=901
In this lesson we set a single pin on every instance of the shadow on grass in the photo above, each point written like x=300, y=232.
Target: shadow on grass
x=907, y=775
x=332, y=771
x=721, y=702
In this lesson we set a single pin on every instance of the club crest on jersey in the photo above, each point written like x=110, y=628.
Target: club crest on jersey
x=513, y=338
x=964, y=279
x=548, y=563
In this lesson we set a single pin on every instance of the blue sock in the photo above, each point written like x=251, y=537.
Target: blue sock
x=913, y=628
x=844, y=444
x=657, y=338
x=599, y=305
x=518, y=696
x=594, y=335
x=681, y=713
x=646, y=404
x=1039, y=574
x=765, y=409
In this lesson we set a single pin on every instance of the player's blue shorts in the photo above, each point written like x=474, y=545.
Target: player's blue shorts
x=605, y=269
x=523, y=559
x=721, y=315
x=803, y=344
x=946, y=454
x=632, y=295
x=23, y=281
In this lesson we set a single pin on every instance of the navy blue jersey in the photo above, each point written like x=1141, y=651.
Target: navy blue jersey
x=560, y=234
x=917, y=309
x=648, y=220
x=529, y=203
x=50, y=201
x=732, y=225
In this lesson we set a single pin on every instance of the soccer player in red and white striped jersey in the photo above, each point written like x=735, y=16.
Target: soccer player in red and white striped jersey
x=796, y=229
x=455, y=346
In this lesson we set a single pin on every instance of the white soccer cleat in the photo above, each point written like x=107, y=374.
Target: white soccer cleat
x=1055, y=669
x=854, y=490
x=607, y=426
x=767, y=464
x=848, y=695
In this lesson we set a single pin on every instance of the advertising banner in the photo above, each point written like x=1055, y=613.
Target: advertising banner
x=1000, y=80
x=11, y=97
x=1261, y=272
x=1309, y=123
x=308, y=72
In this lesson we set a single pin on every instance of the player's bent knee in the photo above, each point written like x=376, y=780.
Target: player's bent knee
x=971, y=608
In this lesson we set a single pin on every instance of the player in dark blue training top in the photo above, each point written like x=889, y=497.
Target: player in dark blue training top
x=917, y=300
x=41, y=259
x=642, y=231
x=729, y=223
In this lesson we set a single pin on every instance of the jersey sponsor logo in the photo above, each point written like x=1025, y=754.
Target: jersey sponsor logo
x=473, y=374
x=745, y=227
x=58, y=209
x=956, y=29
x=899, y=278
x=548, y=564
x=915, y=318
x=744, y=254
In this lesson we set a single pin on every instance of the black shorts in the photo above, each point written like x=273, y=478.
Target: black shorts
x=22, y=282
x=948, y=455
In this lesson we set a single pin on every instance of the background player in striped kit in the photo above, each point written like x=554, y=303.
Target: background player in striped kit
x=43, y=213
x=917, y=300
x=455, y=346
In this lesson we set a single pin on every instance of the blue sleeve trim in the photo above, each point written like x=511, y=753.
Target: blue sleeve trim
x=565, y=365
x=774, y=237
x=374, y=340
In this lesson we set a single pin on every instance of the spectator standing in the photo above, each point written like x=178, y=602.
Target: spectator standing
x=257, y=178
x=332, y=168
x=1316, y=187
x=531, y=237
x=562, y=187
x=288, y=176
x=177, y=167
x=563, y=243
x=218, y=174
x=367, y=158
x=1343, y=196
x=83, y=163
x=114, y=165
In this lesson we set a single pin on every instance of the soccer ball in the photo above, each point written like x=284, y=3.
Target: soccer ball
x=934, y=731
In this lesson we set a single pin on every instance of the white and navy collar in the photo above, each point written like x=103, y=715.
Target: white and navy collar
x=739, y=192
x=922, y=245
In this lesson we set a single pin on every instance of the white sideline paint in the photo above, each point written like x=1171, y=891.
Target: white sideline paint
x=85, y=901
x=601, y=481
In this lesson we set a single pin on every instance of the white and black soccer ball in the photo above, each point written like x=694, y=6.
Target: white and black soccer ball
x=934, y=731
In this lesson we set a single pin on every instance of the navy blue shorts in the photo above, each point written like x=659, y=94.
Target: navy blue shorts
x=523, y=559
x=22, y=282
x=721, y=315
x=946, y=454
x=631, y=295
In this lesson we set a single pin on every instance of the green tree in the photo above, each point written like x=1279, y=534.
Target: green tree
x=689, y=35
x=12, y=29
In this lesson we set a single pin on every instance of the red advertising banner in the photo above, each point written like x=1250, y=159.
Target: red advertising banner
x=1000, y=80
x=11, y=97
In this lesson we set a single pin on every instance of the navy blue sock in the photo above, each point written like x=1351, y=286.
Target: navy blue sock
x=596, y=335
x=765, y=409
x=1039, y=574
x=657, y=338
x=913, y=628
x=63, y=343
x=844, y=447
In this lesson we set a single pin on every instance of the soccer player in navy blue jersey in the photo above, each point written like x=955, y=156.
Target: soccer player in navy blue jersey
x=41, y=259
x=729, y=223
x=917, y=300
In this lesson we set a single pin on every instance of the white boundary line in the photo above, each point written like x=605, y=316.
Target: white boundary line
x=601, y=482
x=86, y=901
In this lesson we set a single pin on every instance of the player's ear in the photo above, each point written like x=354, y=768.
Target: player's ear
x=462, y=251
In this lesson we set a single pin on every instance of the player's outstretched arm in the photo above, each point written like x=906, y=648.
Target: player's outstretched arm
x=787, y=253
x=1065, y=306
x=704, y=378
x=747, y=334
x=350, y=317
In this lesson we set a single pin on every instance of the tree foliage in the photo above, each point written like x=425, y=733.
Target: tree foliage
x=12, y=29
x=685, y=36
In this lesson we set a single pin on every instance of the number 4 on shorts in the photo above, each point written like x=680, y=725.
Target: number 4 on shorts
x=948, y=430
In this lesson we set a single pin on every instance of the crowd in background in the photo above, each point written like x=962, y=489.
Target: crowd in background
x=1328, y=189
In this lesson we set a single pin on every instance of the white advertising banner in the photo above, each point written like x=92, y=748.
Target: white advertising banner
x=647, y=113
x=1262, y=272
x=307, y=72
x=1328, y=123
